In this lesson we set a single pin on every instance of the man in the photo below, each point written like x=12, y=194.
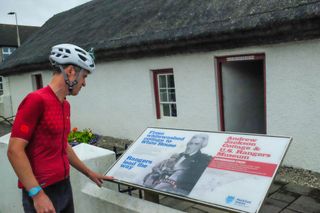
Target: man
x=187, y=168
x=38, y=149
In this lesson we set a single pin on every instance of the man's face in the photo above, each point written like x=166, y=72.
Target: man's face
x=194, y=145
x=81, y=82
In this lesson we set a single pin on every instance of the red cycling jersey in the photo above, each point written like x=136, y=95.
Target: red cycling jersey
x=44, y=122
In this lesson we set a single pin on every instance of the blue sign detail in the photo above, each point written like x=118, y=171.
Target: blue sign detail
x=230, y=199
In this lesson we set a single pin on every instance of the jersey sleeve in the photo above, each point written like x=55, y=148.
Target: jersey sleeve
x=27, y=117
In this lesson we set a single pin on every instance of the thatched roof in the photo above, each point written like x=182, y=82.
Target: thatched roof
x=8, y=34
x=137, y=28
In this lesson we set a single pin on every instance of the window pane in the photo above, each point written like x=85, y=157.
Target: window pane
x=162, y=81
x=173, y=110
x=5, y=49
x=163, y=95
x=172, y=95
x=166, y=109
x=170, y=81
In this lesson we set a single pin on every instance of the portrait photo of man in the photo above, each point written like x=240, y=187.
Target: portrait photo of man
x=181, y=171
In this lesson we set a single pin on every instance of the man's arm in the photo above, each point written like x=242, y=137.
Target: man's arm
x=21, y=165
x=81, y=167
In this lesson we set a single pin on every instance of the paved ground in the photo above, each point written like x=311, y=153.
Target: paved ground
x=282, y=197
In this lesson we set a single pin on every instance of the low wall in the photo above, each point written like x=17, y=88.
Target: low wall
x=10, y=195
x=87, y=196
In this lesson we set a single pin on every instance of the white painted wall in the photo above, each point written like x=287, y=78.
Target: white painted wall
x=120, y=96
x=293, y=100
x=20, y=85
x=119, y=101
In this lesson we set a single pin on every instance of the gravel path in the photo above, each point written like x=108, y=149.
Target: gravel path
x=299, y=176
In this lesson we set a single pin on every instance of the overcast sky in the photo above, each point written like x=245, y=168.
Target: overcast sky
x=34, y=12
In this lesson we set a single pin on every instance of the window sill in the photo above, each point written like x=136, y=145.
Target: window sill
x=167, y=118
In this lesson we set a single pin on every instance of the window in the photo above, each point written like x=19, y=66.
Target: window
x=1, y=85
x=165, y=93
x=37, y=82
x=6, y=51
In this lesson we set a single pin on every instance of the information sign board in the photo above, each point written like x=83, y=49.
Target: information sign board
x=230, y=171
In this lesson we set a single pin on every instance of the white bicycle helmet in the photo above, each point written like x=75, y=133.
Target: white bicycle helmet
x=71, y=54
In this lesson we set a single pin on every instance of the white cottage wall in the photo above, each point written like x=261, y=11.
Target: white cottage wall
x=119, y=98
x=121, y=102
x=21, y=85
x=293, y=100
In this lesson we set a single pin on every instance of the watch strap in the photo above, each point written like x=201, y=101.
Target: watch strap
x=34, y=191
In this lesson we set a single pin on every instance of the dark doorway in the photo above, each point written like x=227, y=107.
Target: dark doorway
x=37, y=82
x=241, y=84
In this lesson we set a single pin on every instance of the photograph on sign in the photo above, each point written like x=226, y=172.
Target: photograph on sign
x=232, y=171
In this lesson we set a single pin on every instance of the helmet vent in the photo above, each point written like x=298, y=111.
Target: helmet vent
x=60, y=49
x=68, y=51
x=58, y=55
x=82, y=58
x=80, y=51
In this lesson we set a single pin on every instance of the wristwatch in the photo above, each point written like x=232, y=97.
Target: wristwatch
x=34, y=191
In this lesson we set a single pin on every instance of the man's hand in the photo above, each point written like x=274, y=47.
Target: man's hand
x=98, y=178
x=42, y=203
x=81, y=167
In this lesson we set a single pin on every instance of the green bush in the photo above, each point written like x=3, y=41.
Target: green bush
x=80, y=136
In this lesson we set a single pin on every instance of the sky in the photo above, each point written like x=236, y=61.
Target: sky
x=34, y=12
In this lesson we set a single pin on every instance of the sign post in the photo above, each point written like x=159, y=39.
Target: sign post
x=230, y=171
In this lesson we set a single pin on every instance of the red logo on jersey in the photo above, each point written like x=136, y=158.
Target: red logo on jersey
x=24, y=128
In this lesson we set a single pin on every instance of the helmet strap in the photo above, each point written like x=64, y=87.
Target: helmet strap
x=70, y=84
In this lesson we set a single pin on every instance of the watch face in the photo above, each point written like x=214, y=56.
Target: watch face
x=34, y=191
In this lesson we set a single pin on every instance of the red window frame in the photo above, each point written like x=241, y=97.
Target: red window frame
x=156, y=87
